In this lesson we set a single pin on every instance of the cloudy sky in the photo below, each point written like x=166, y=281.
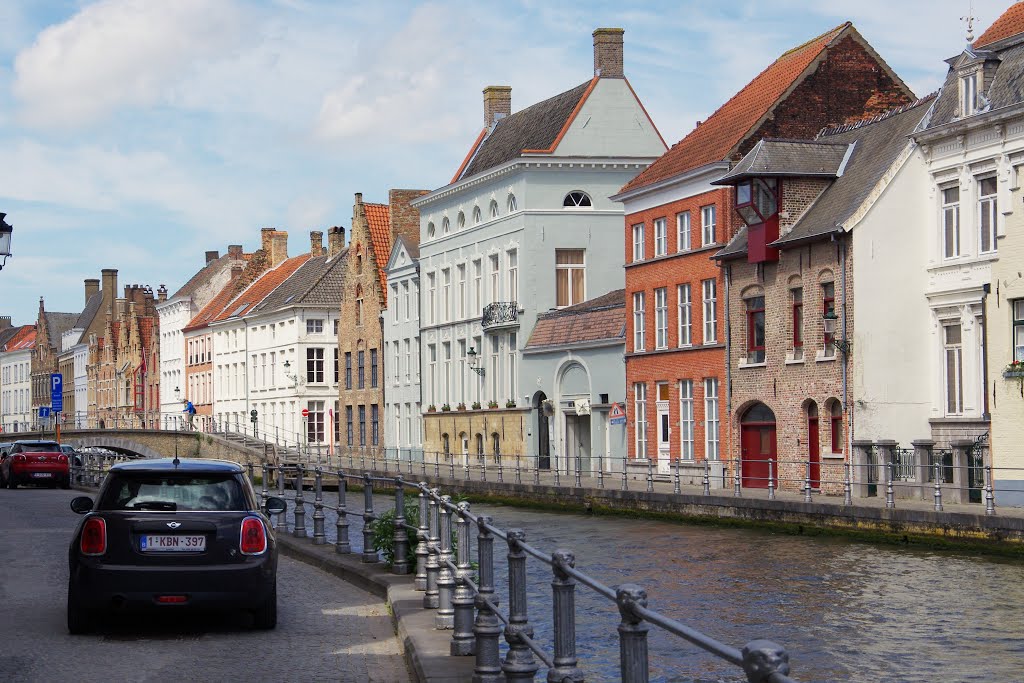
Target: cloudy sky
x=137, y=134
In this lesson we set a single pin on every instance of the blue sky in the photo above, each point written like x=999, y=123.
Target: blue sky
x=138, y=134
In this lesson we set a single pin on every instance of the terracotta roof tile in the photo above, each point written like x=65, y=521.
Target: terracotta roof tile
x=378, y=217
x=213, y=308
x=1010, y=23
x=717, y=136
x=599, y=319
x=258, y=290
x=24, y=339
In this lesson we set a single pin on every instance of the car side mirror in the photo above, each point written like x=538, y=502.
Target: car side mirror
x=275, y=505
x=81, y=504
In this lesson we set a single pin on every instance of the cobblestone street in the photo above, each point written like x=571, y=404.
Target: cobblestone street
x=327, y=629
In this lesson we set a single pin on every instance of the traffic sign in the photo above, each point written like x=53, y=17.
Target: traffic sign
x=44, y=412
x=617, y=414
x=57, y=392
x=305, y=412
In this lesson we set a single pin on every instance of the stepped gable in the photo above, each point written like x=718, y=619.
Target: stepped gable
x=598, y=319
x=535, y=128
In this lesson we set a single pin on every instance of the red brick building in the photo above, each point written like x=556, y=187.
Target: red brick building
x=676, y=380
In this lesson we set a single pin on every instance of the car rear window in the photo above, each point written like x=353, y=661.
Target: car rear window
x=40, y=447
x=166, y=492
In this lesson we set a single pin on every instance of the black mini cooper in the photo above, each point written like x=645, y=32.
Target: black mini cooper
x=168, y=535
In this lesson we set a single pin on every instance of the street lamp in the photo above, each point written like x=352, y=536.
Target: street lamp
x=829, y=323
x=253, y=416
x=5, y=239
x=177, y=399
x=474, y=361
x=294, y=378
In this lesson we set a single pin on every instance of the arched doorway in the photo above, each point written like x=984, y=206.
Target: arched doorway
x=814, y=444
x=757, y=446
x=543, y=426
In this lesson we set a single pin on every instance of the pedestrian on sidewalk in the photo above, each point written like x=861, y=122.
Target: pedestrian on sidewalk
x=190, y=412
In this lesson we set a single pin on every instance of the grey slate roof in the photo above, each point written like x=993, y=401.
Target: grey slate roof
x=877, y=143
x=1007, y=86
x=317, y=282
x=88, y=314
x=204, y=275
x=535, y=127
x=800, y=158
x=57, y=324
x=9, y=334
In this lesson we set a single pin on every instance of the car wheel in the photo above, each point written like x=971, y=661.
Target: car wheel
x=80, y=620
x=264, y=617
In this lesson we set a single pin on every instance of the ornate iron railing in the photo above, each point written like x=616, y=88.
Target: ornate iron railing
x=500, y=314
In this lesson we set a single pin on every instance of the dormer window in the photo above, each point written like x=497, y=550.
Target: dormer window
x=757, y=203
x=969, y=94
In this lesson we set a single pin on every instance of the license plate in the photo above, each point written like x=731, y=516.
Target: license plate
x=42, y=475
x=181, y=543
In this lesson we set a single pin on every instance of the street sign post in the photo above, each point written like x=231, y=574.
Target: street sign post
x=57, y=392
x=305, y=412
x=617, y=414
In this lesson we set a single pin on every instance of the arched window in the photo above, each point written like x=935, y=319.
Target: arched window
x=494, y=208
x=461, y=221
x=359, y=304
x=496, y=445
x=513, y=206
x=577, y=200
x=836, y=420
x=480, y=446
x=476, y=215
x=464, y=444
x=446, y=446
x=430, y=231
x=445, y=226
x=359, y=259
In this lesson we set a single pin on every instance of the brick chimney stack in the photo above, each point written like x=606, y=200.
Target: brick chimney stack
x=335, y=241
x=212, y=256
x=316, y=243
x=235, y=251
x=109, y=276
x=608, y=52
x=275, y=245
x=5, y=322
x=497, y=103
x=161, y=293
x=92, y=286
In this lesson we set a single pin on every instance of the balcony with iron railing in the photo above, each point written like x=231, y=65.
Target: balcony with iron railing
x=500, y=315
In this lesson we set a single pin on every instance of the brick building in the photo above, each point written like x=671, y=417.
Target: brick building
x=50, y=328
x=676, y=220
x=360, y=332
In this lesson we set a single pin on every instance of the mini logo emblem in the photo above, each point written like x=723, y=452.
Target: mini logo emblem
x=174, y=525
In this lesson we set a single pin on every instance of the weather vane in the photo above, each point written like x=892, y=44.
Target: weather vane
x=969, y=19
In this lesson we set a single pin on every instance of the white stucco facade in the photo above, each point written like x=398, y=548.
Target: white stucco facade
x=16, y=391
x=175, y=315
x=403, y=422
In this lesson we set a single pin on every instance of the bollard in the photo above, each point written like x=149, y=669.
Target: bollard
x=451, y=466
x=519, y=477
x=463, y=643
x=519, y=664
x=807, y=482
x=938, y=488
x=990, y=498
x=890, y=501
x=342, y=545
x=319, y=533
x=600, y=475
x=400, y=565
x=650, y=475
x=579, y=462
x=300, y=504
x=264, y=494
x=558, y=472
x=762, y=659
x=437, y=466
x=625, y=482
x=847, y=485
x=736, y=481
x=536, y=471
x=771, y=479
x=282, y=519
x=369, y=552
x=430, y=598
x=707, y=477
x=483, y=467
x=422, y=532
x=676, y=488
x=632, y=634
x=487, y=628
x=445, y=617
x=563, y=597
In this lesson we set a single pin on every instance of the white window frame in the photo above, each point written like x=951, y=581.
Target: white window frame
x=1018, y=330
x=712, y=436
x=987, y=206
x=639, y=337
x=478, y=288
x=512, y=259
x=430, y=306
x=686, y=422
x=640, y=419
x=570, y=267
x=708, y=223
x=952, y=369
x=446, y=295
x=683, y=231
x=709, y=290
x=494, y=269
x=460, y=309
x=969, y=87
x=315, y=326
x=949, y=221
x=660, y=236
x=684, y=315
x=638, y=242
x=661, y=318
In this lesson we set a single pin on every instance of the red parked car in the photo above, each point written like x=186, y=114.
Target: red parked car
x=35, y=462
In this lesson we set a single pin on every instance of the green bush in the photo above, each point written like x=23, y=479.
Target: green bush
x=383, y=535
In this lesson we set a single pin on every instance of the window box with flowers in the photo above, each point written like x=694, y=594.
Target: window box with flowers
x=476, y=405
x=1014, y=370
x=461, y=407
x=431, y=408
x=511, y=403
x=492, y=404
x=446, y=408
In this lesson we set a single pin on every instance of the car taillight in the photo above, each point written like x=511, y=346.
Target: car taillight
x=62, y=458
x=19, y=458
x=254, y=536
x=94, y=536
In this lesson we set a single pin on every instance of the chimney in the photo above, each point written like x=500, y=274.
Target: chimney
x=5, y=322
x=109, y=276
x=236, y=271
x=359, y=198
x=120, y=305
x=212, y=256
x=497, y=103
x=266, y=235
x=235, y=251
x=278, y=247
x=316, y=243
x=161, y=293
x=92, y=286
x=335, y=241
x=608, y=52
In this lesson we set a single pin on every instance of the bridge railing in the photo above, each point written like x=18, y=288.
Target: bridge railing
x=464, y=599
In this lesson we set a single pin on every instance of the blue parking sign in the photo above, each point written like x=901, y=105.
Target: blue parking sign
x=57, y=392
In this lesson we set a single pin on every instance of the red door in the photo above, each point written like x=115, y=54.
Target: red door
x=758, y=444
x=814, y=450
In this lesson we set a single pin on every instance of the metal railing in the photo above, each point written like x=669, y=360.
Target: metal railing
x=465, y=600
x=500, y=313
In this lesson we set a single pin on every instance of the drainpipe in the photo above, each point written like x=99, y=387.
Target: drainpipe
x=245, y=358
x=728, y=352
x=841, y=247
x=986, y=290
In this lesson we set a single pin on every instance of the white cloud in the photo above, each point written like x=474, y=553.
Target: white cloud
x=118, y=52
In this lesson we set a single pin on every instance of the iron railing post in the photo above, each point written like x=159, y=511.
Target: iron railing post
x=300, y=504
x=463, y=643
x=319, y=533
x=536, y=470
x=890, y=501
x=650, y=475
x=563, y=598
x=771, y=479
x=342, y=545
x=632, y=634
x=736, y=480
x=625, y=479
x=707, y=477
x=422, y=532
x=558, y=474
x=400, y=565
x=282, y=519
x=487, y=628
x=847, y=485
x=807, y=481
x=579, y=463
x=264, y=492
x=676, y=487
x=762, y=659
x=519, y=664
x=445, y=617
x=369, y=552
x=938, y=487
x=519, y=475
x=431, y=597
x=990, y=497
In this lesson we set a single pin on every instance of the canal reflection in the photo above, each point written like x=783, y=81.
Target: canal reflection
x=845, y=611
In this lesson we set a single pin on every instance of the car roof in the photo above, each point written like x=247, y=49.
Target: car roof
x=36, y=441
x=183, y=465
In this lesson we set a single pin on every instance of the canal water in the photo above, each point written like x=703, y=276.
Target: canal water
x=845, y=611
